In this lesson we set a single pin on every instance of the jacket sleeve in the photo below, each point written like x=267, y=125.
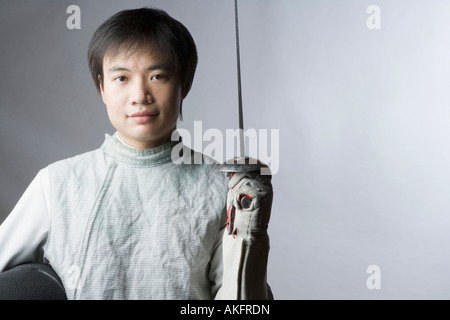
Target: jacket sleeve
x=216, y=267
x=23, y=233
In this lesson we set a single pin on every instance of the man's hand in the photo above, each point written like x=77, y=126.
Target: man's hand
x=249, y=203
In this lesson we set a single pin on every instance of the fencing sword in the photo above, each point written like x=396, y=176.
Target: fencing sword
x=241, y=163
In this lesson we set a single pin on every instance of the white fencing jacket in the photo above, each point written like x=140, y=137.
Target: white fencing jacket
x=123, y=223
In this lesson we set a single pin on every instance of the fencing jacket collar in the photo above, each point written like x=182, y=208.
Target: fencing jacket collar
x=118, y=150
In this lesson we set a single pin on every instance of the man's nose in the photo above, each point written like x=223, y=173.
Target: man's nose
x=141, y=93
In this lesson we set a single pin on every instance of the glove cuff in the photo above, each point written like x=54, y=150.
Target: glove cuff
x=245, y=269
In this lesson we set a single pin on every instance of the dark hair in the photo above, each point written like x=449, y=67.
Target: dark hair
x=135, y=29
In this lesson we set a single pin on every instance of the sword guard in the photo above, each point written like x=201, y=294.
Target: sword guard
x=242, y=164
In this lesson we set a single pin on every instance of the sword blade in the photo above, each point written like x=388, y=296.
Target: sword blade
x=239, y=82
x=240, y=163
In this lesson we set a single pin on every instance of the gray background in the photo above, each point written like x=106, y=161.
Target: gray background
x=363, y=116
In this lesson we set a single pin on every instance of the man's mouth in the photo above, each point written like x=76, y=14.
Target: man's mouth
x=144, y=116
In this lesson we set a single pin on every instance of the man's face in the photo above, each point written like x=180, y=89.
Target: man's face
x=142, y=97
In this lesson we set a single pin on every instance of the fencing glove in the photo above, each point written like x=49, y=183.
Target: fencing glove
x=246, y=242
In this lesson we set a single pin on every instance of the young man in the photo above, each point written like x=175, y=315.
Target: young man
x=124, y=221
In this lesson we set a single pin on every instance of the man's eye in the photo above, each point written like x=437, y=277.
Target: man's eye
x=158, y=77
x=120, y=79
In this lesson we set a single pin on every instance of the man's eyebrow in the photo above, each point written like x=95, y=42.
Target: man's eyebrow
x=113, y=69
x=150, y=68
x=158, y=66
